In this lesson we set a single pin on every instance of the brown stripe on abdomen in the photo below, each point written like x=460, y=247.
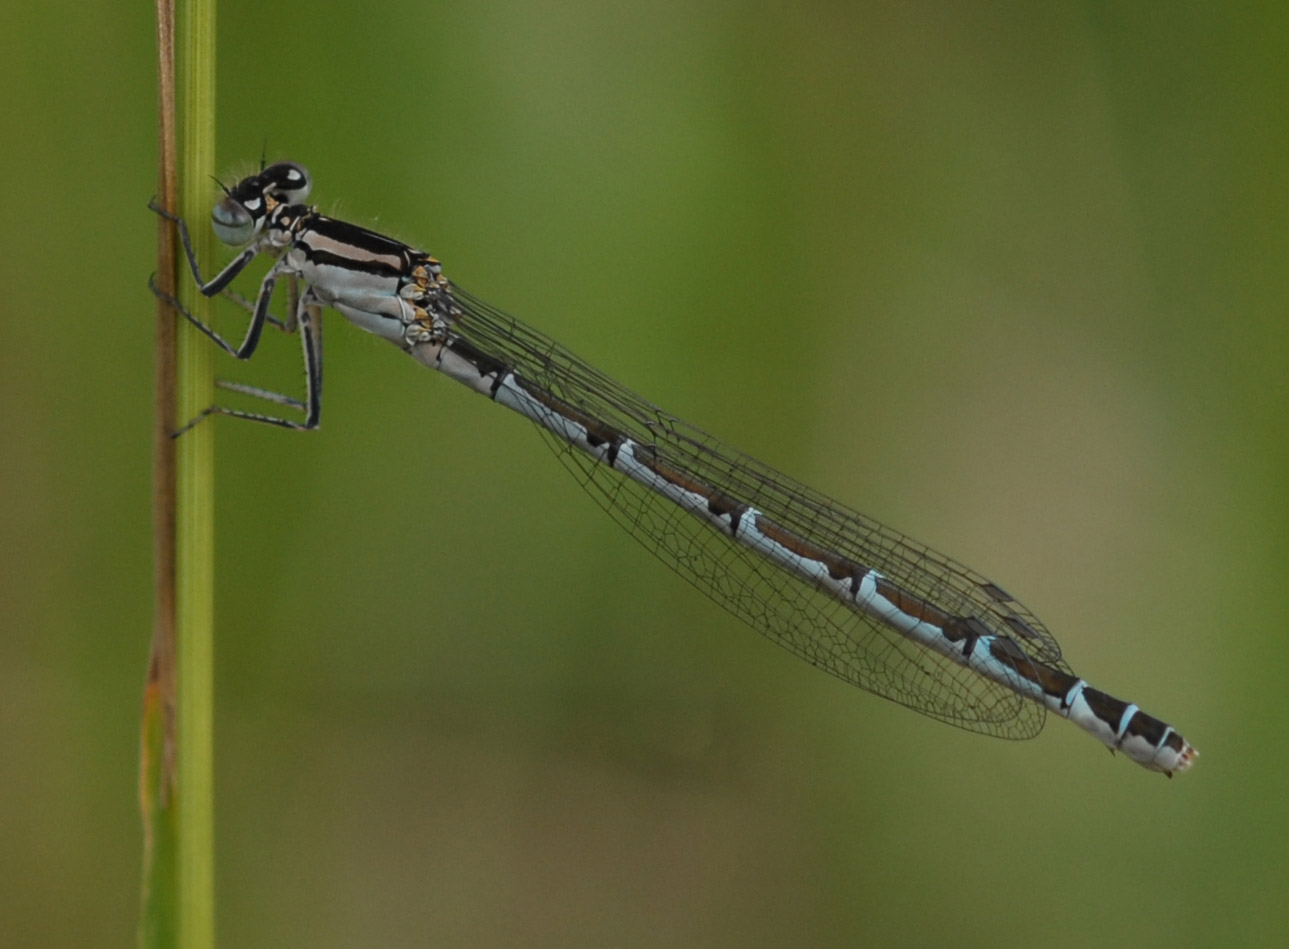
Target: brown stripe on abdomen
x=1052, y=681
x=722, y=505
x=718, y=504
x=912, y=604
x=839, y=568
x=597, y=432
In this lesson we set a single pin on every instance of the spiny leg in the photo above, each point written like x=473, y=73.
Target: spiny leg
x=306, y=316
x=259, y=313
x=221, y=279
x=287, y=326
x=309, y=320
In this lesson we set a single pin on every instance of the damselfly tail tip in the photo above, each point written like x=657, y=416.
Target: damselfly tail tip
x=1179, y=761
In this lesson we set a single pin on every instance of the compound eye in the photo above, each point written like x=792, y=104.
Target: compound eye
x=236, y=222
x=287, y=182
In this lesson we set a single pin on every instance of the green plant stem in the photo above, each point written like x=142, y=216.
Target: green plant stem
x=158, y=920
x=195, y=493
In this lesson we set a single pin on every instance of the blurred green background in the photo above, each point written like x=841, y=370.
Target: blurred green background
x=1008, y=276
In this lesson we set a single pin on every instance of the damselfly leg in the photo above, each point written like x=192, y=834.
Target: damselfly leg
x=237, y=219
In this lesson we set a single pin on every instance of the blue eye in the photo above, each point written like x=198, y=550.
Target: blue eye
x=235, y=222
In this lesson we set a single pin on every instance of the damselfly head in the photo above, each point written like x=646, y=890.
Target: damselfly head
x=238, y=216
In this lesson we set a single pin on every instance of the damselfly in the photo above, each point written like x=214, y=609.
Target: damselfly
x=838, y=589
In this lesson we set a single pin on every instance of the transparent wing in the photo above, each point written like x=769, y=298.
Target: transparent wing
x=803, y=619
